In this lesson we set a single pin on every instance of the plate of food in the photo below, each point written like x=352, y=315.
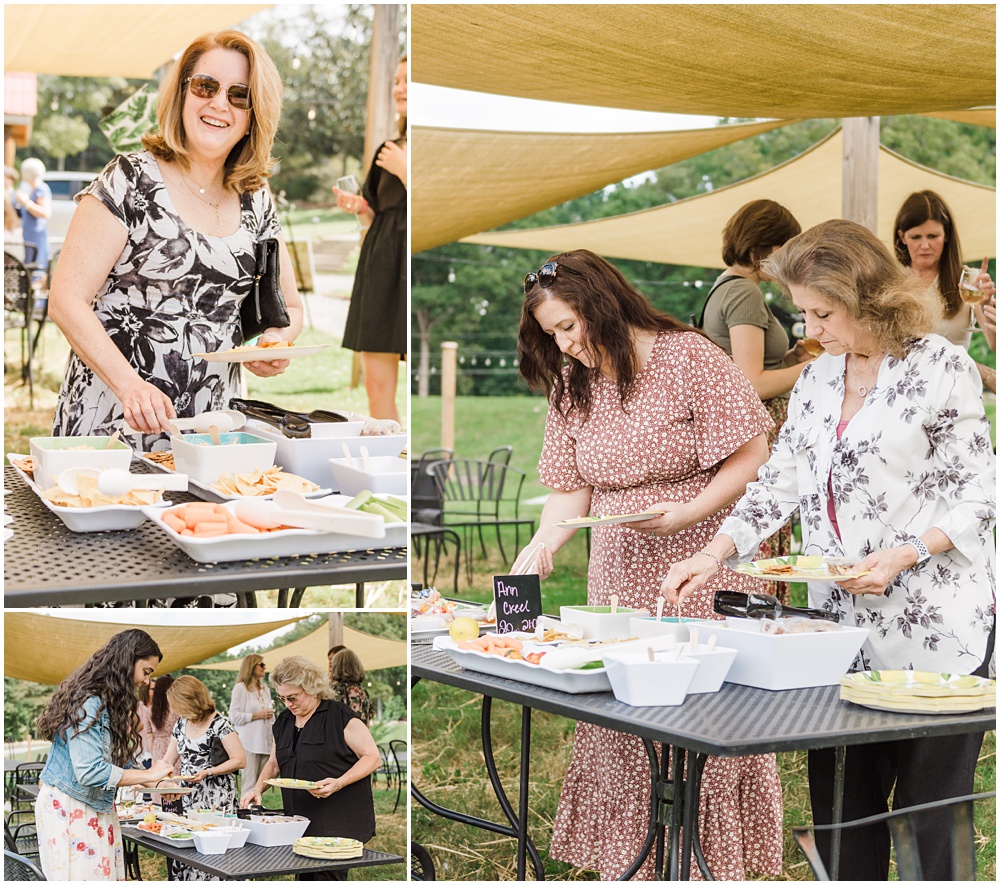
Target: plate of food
x=292, y=783
x=917, y=691
x=802, y=567
x=431, y=613
x=588, y=521
x=163, y=832
x=278, y=350
x=173, y=791
x=89, y=510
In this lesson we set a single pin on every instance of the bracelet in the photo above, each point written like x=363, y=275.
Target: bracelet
x=718, y=561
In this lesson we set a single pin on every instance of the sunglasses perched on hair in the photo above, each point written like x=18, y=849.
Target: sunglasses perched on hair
x=545, y=277
x=206, y=86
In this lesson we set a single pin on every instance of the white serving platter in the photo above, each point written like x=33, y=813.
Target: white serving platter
x=110, y=518
x=260, y=353
x=159, y=837
x=436, y=625
x=270, y=545
x=586, y=522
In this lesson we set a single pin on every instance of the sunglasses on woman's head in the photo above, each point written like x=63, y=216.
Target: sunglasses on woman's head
x=545, y=277
x=206, y=86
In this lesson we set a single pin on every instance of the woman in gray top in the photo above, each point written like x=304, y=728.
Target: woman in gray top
x=737, y=318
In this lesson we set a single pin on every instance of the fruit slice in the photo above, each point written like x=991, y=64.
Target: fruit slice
x=463, y=629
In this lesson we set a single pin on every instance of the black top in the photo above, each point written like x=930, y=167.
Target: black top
x=318, y=752
x=377, y=317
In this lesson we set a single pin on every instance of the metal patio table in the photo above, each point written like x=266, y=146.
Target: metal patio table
x=257, y=861
x=47, y=564
x=736, y=721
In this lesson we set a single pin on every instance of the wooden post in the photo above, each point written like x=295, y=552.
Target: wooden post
x=860, y=170
x=449, y=373
x=336, y=623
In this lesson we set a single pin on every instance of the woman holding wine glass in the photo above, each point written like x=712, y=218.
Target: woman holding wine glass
x=926, y=242
x=886, y=454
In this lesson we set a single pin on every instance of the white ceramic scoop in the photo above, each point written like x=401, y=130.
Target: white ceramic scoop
x=115, y=482
x=267, y=514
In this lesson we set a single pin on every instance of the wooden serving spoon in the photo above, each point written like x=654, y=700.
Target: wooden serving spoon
x=613, y=600
x=659, y=608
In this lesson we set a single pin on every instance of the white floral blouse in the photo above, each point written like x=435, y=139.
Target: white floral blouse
x=916, y=456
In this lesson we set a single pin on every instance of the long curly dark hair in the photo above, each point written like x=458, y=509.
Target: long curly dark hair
x=161, y=706
x=611, y=310
x=110, y=675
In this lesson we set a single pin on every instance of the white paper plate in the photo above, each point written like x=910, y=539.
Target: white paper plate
x=275, y=782
x=798, y=574
x=271, y=545
x=219, y=496
x=261, y=353
x=113, y=517
x=587, y=522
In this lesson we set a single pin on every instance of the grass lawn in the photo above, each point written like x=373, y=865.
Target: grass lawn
x=446, y=733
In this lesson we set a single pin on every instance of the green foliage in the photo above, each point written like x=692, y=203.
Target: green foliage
x=22, y=702
x=61, y=136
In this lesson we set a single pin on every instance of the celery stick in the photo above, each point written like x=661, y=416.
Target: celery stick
x=376, y=508
x=358, y=501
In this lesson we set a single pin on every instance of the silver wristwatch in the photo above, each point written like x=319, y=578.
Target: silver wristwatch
x=923, y=554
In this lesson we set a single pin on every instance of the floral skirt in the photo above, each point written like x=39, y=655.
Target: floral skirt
x=75, y=842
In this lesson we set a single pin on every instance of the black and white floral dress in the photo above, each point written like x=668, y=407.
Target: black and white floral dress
x=173, y=291
x=916, y=456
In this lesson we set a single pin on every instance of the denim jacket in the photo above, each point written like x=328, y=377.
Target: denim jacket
x=79, y=763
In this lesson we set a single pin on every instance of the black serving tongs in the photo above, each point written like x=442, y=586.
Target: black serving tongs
x=294, y=425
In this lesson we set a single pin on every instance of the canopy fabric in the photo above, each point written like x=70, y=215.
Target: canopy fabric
x=376, y=652
x=104, y=40
x=46, y=648
x=730, y=60
x=973, y=116
x=689, y=232
x=468, y=181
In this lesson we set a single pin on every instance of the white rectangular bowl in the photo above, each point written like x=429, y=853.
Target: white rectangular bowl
x=287, y=542
x=311, y=457
x=640, y=682
x=788, y=661
x=598, y=622
x=54, y=454
x=206, y=463
x=388, y=476
x=276, y=833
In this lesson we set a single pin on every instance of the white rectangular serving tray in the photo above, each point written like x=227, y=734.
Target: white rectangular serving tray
x=270, y=545
x=158, y=837
x=111, y=518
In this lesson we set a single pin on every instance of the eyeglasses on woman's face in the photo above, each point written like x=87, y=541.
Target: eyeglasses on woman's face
x=545, y=277
x=206, y=86
x=289, y=699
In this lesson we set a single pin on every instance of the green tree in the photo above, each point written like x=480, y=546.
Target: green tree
x=61, y=137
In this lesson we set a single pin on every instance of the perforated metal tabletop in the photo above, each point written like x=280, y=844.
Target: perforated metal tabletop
x=735, y=721
x=47, y=564
x=258, y=861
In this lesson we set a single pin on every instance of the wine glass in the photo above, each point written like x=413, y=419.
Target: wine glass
x=968, y=287
x=349, y=184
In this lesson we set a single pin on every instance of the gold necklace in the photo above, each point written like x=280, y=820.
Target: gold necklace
x=204, y=199
x=862, y=388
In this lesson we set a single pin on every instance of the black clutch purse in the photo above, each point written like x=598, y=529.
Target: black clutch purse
x=264, y=307
x=218, y=753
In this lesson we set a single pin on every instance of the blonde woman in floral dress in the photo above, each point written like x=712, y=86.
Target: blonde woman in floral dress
x=648, y=414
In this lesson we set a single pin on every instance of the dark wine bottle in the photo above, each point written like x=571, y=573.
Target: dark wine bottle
x=763, y=605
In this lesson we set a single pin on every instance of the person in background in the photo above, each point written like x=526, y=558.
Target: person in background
x=11, y=218
x=645, y=414
x=34, y=200
x=330, y=655
x=252, y=711
x=320, y=740
x=377, y=319
x=738, y=319
x=160, y=253
x=92, y=723
x=887, y=455
x=926, y=242
x=145, y=710
x=161, y=717
x=347, y=679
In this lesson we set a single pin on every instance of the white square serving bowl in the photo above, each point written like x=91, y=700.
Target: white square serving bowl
x=238, y=834
x=388, y=476
x=713, y=666
x=648, y=627
x=598, y=622
x=311, y=457
x=211, y=841
x=275, y=832
x=778, y=662
x=53, y=454
x=239, y=453
x=640, y=682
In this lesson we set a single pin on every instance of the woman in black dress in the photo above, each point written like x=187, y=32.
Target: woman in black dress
x=376, y=321
x=319, y=739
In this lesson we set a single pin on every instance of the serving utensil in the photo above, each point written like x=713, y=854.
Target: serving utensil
x=269, y=514
x=227, y=420
x=694, y=640
x=613, y=601
x=659, y=608
x=113, y=437
x=115, y=482
x=711, y=642
x=366, y=461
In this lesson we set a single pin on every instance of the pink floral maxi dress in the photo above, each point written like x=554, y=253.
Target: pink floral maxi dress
x=689, y=410
x=83, y=845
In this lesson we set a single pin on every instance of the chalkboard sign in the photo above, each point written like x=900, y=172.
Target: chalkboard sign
x=519, y=602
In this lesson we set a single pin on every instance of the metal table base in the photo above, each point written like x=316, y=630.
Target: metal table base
x=736, y=721
x=47, y=564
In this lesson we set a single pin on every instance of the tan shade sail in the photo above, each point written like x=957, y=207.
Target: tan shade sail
x=973, y=116
x=102, y=40
x=466, y=181
x=730, y=60
x=376, y=652
x=689, y=232
x=47, y=648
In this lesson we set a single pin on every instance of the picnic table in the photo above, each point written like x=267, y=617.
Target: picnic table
x=47, y=564
x=736, y=721
x=256, y=861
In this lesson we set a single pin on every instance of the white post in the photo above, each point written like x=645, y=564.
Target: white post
x=860, y=170
x=449, y=373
